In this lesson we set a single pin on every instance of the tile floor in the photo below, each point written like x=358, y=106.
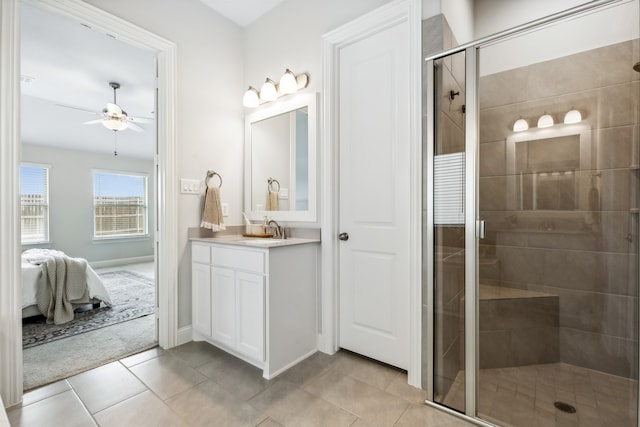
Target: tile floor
x=523, y=396
x=198, y=385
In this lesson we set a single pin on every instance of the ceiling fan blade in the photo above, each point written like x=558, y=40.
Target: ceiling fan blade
x=93, y=122
x=134, y=127
x=114, y=109
x=80, y=109
x=140, y=119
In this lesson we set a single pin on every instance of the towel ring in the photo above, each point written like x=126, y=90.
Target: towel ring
x=270, y=185
x=211, y=174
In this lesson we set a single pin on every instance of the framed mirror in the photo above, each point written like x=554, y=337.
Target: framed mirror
x=281, y=159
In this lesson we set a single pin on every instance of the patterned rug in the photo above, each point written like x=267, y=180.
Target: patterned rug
x=132, y=296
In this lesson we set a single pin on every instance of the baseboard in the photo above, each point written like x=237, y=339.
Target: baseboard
x=121, y=261
x=184, y=335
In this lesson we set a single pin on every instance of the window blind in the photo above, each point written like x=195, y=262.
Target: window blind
x=34, y=203
x=448, y=185
x=120, y=204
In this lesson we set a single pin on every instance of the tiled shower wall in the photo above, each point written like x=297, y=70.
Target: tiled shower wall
x=587, y=256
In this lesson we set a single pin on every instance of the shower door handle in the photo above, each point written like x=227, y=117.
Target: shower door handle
x=480, y=229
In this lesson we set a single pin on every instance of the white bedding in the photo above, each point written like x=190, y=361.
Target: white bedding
x=32, y=274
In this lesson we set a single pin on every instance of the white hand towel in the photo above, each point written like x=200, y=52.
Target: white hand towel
x=212, y=210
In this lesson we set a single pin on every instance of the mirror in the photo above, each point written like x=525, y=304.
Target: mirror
x=535, y=182
x=280, y=160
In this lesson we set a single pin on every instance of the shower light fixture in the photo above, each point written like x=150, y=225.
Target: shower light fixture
x=545, y=121
x=520, y=125
x=573, y=116
x=270, y=91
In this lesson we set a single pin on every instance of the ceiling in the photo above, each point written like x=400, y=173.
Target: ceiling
x=242, y=12
x=66, y=63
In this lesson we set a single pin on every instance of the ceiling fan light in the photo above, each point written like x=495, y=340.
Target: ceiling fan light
x=288, y=83
x=115, y=125
x=268, y=91
x=250, y=98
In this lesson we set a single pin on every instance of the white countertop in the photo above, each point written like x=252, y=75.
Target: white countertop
x=255, y=242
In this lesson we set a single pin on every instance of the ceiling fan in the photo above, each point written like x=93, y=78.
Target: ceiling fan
x=114, y=117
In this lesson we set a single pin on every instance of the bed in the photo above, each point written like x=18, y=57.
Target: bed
x=34, y=279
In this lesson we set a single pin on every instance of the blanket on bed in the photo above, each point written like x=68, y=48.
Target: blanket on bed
x=65, y=282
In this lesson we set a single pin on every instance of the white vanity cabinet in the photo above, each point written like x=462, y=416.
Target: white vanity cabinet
x=258, y=304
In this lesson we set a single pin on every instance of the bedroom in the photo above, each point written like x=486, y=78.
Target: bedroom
x=69, y=172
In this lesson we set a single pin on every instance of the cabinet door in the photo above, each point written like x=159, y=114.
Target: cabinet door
x=201, y=288
x=250, y=316
x=223, y=305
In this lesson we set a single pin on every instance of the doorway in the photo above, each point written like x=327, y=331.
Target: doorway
x=165, y=168
x=533, y=240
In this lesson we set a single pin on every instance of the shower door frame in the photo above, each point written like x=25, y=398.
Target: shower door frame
x=473, y=225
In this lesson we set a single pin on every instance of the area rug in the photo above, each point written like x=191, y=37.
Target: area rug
x=132, y=296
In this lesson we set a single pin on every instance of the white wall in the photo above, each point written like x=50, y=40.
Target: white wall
x=71, y=202
x=209, y=110
x=460, y=16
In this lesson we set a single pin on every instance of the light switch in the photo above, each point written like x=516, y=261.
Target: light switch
x=189, y=186
x=225, y=209
x=284, y=194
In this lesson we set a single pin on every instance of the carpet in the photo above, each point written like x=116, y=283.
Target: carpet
x=132, y=296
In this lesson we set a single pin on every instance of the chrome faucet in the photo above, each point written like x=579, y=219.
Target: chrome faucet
x=279, y=231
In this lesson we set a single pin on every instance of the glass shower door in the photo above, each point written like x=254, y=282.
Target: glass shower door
x=448, y=167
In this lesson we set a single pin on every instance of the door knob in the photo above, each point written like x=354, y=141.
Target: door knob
x=343, y=236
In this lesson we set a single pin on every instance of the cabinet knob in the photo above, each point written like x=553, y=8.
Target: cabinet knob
x=343, y=236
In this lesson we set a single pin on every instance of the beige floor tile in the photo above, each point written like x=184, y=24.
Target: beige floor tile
x=310, y=368
x=167, y=376
x=64, y=409
x=145, y=409
x=423, y=415
x=208, y=404
x=45, y=392
x=269, y=423
x=142, y=357
x=236, y=376
x=197, y=353
x=292, y=406
x=399, y=387
x=373, y=405
x=107, y=385
x=365, y=370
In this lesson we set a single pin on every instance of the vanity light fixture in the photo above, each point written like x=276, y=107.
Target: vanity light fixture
x=520, y=125
x=545, y=121
x=270, y=91
x=251, y=99
x=572, y=116
x=288, y=83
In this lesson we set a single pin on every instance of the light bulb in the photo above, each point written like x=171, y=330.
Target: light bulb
x=573, y=116
x=545, y=121
x=114, y=124
x=268, y=91
x=520, y=125
x=288, y=83
x=250, y=98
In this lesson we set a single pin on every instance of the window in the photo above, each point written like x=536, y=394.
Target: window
x=119, y=204
x=34, y=203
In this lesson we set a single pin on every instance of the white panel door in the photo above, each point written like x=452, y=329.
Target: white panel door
x=223, y=306
x=250, y=315
x=374, y=196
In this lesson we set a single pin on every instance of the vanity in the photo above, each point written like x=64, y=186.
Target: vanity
x=256, y=298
